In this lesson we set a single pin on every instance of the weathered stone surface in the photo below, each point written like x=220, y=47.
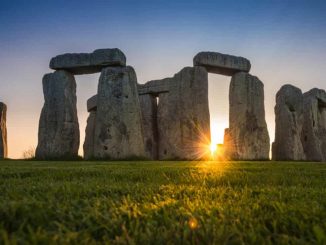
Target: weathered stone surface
x=86, y=63
x=288, y=124
x=148, y=105
x=183, y=116
x=247, y=126
x=92, y=103
x=3, y=131
x=223, y=64
x=154, y=87
x=89, y=136
x=118, y=124
x=314, y=127
x=58, y=135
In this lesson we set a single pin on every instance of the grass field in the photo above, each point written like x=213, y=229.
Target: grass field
x=162, y=202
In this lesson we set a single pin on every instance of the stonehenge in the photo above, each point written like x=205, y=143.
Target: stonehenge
x=169, y=118
x=175, y=113
x=3, y=131
x=300, y=125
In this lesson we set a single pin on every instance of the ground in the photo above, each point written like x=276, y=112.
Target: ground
x=162, y=202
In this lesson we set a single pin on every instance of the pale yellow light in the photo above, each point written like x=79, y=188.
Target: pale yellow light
x=213, y=148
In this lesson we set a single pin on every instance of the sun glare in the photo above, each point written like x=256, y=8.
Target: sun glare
x=217, y=137
x=213, y=148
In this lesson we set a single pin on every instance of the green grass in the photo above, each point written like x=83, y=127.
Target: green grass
x=162, y=202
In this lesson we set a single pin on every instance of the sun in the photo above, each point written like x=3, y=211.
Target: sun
x=213, y=148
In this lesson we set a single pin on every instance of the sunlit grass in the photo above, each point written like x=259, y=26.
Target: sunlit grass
x=199, y=202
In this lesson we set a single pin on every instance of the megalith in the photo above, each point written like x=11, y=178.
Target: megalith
x=3, y=131
x=58, y=135
x=183, y=116
x=314, y=126
x=148, y=105
x=86, y=63
x=288, y=124
x=248, y=137
x=118, y=124
x=223, y=64
x=90, y=128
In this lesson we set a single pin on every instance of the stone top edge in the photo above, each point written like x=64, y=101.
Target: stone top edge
x=219, y=54
x=96, y=51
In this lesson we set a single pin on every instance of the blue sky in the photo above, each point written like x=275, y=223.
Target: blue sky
x=284, y=40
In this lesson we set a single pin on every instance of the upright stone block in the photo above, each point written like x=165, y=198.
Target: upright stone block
x=118, y=124
x=247, y=125
x=314, y=127
x=3, y=131
x=58, y=136
x=288, y=124
x=148, y=105
x=183, y=116
x=89, y=136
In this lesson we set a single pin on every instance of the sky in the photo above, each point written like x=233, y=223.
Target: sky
x=285, y=41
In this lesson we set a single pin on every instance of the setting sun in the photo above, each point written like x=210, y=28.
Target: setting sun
x=213, y=148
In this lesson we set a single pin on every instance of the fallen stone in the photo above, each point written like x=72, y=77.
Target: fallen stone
x=223, y=64
x=288, y=124
x=314, y=126
x=118, y=125
x=58, y=136
x=148, y=105
x=3, y=131
x=86, y=63
x=247, y=125
x=183, y=116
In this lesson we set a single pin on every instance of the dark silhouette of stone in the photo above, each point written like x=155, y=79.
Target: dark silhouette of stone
x=86, y=63
x=3, y=131
x=58, y=126
x=288, y=124
x=154, y=87
x=92, y=103
x=314, y=126
x=223, y=64
x=148, y=105
x=183, y=116
x=118, y=124
x=89, y=136
x=90, y=128
x=248, y=137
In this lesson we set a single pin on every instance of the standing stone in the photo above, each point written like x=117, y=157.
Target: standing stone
x=148, y=106
x=89, y=136
x=3, y=131
x=223, y=64
x=90, y=128
x=288, y=124
x=183, y=116
x=58, y=136
x=118, y=124
x=247, y=125
x=314, y=127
